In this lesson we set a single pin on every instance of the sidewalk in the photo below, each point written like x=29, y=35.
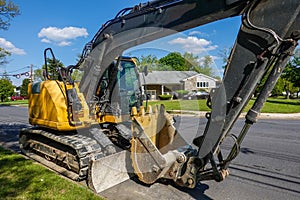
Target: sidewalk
x=291, y=116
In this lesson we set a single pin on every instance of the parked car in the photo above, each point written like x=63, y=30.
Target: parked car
x=202, y=95
x=196, y=95
x=15, y=98
x=296, y=95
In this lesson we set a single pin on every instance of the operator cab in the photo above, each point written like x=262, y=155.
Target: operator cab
x=120, y=87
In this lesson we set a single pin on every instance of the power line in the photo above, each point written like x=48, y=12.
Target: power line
x=18, y=69
x=18, y=75
x=29, y=66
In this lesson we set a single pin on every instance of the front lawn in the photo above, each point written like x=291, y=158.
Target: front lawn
x=21, y=178
x=273, y=105
x=18, y=102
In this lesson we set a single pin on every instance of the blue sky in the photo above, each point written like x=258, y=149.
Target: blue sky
x=66, y=26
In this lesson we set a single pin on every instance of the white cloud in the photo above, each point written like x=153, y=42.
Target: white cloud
x=195, y=33
x=45, y=40
x=202, y=34
x=64, y=43
x=61, y=36
x=8, y=46
x=199, y=33
x=194, y=45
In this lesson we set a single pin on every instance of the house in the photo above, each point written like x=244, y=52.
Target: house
x=17, y=91
x=167, y=82
x=200, y=81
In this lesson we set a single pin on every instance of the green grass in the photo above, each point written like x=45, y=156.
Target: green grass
x=19, y=102
x=22, y=179
x=199, y=105
x=276, y=105
x=273, y=105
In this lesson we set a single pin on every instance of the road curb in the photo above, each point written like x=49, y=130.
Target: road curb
x=202, y=114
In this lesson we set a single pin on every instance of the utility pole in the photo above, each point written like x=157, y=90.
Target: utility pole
x=31, y=73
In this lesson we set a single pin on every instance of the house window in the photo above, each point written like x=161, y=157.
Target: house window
x=152, y=94
x=202, y=84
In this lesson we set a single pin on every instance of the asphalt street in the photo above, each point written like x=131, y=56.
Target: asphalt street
x=268, y=166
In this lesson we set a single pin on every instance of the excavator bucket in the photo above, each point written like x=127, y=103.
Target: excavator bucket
x=109, y=171
x=151, y=132
x=157, y=130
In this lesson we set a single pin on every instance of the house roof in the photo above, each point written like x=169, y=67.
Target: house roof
x=167, y=77
x=203, y=75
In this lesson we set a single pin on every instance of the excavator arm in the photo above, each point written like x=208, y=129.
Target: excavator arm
x=266, y=40
x=144, y=23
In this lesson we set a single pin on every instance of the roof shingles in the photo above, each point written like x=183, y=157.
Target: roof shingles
x=167, y=77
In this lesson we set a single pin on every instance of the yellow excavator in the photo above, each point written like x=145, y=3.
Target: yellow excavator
x=99, y=130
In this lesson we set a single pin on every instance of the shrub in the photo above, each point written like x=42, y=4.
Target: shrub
x=181, y=93
x=165, y=96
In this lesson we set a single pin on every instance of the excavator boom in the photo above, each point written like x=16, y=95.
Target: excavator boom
x=266, y=39
x=144, y=23
x=109, y=110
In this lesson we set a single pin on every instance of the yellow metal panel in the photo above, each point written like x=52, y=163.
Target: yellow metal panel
x=48, y=108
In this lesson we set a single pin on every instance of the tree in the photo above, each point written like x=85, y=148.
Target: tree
x=52, y=71
x=6, y=88
x=225, y=54
x=174, y=60
x=150, y=61
x=52, y=66
x=289, y=81
x=24, y=87
x=8, y=10
x=3, y=56
x=191, y=61
x=291, y=74
x=278, y=88
x=205, y=67
x=38, y=75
